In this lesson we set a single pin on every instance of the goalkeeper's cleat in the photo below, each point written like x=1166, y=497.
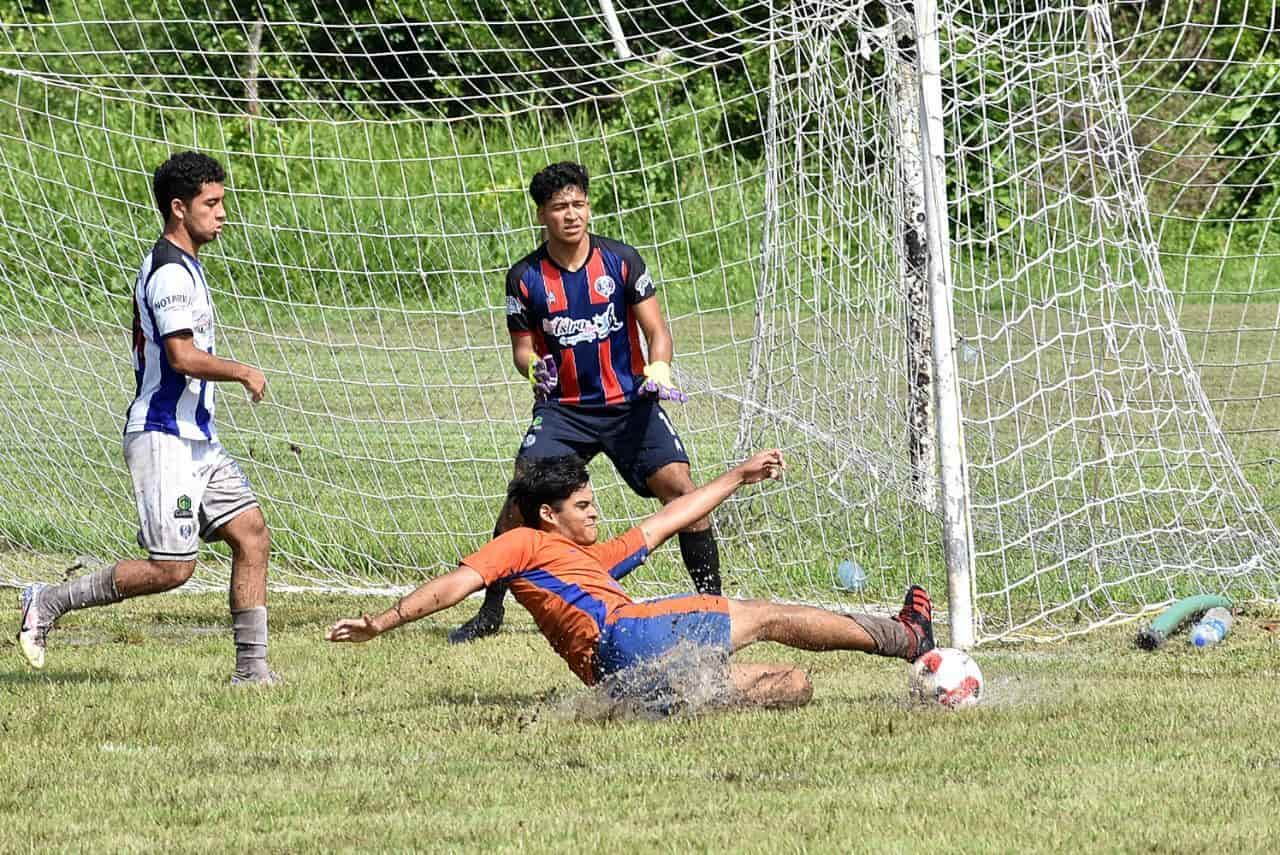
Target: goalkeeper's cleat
x=34, y=628
x=917, y=616
x=264, y=679
x=486, y=622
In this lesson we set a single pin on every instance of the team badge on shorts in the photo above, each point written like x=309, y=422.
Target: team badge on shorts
x=529, y=441
x=183, y=511
x=604, y=286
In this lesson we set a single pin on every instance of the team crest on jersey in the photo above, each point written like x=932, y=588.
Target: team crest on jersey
x=604, y=286
x=551, y=297
x=183, y=510
x=185, y=530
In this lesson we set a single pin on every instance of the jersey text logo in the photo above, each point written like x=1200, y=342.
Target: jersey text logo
x=571, y=331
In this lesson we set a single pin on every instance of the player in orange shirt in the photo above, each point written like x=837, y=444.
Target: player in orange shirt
x=569, y=583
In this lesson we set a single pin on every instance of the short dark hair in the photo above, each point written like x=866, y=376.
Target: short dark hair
x=545, y=481
x=555, y=178
x=181, y=177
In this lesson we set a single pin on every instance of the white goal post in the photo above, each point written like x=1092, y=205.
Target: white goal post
x=998, y=278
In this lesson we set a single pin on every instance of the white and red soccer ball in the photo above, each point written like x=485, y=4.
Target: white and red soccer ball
x=947, y=677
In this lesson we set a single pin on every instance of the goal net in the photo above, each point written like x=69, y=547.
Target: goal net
x=1098, y=237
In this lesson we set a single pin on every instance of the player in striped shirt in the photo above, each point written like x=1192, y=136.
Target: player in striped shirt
x=568, y=580
x=187, y=488
x=577, y=307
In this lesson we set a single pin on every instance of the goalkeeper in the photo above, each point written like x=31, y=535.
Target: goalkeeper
x=567, y=579
x=576, y=308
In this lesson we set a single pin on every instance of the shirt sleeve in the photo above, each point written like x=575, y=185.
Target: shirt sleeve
x=506, y=555
x=639, y=285
x=518, y=320
x=622, y=554
x=170, y=297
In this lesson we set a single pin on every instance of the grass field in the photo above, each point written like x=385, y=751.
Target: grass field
x=130, y=741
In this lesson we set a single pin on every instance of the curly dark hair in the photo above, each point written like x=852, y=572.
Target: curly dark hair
x=555, y=178
x=545, y=481
x=181, y=177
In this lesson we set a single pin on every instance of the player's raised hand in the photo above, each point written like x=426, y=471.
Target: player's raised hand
x=255, y=382
x=544, y=376
x=658, y=382
x=761, y=466
x=353, y=629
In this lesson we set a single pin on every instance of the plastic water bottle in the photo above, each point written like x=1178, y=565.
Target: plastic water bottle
x=1211, y=628
x=851, y=575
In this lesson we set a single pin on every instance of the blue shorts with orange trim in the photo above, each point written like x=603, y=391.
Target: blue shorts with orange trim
x=642, y=632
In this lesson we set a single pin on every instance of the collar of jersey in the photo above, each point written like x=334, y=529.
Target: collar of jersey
x=546, y=253
x=194, y=260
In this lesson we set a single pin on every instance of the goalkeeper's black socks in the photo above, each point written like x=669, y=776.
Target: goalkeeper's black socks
x=487, y=621
x=702, y=558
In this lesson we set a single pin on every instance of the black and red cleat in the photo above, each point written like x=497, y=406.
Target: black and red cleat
x=917, y=617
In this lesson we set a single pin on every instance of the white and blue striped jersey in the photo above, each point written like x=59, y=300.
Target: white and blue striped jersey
x=169, y=296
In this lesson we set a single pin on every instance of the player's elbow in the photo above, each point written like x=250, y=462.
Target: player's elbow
x=179, y=358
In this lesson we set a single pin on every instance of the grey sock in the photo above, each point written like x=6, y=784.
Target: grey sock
x=891, y=637
x=249, y=628
x=96, y=589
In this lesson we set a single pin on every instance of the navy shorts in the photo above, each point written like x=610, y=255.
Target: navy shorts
x=637, y=437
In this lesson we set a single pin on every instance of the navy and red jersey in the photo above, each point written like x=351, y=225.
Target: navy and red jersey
x=584, y=319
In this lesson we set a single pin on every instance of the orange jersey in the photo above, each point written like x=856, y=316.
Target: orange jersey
x=569, y=589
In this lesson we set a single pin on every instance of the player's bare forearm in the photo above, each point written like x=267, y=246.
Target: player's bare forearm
x=206, y=366
x=691, y=507
x=657, y=335
x=190, y=361
x=435, y=596
x=522, y=353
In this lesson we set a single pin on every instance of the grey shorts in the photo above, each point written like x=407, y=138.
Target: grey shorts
x=185, y=490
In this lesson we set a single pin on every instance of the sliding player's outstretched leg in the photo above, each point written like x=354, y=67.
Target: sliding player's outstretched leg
x=907, y=635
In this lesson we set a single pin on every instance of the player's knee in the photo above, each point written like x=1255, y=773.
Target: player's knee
x=249, y=536
x=749, y=621
x=798, y=688
x=784, y=688
x=172, y=574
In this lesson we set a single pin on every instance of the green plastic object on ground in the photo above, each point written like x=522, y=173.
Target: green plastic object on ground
x=1158, y=631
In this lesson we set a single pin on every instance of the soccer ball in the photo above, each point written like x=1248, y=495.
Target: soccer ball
x=947, y=677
